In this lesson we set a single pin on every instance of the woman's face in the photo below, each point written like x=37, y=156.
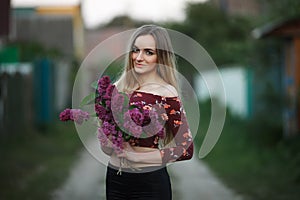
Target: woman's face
x=144, y=55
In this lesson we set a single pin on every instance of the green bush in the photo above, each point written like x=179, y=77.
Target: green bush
x=34, y=163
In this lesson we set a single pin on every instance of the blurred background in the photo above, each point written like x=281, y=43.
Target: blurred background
x=254, y=43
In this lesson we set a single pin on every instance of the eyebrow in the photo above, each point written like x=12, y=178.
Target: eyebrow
x=147, y=49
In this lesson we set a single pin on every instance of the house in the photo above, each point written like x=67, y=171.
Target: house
x=288, y=31
x=54, y=28
x=4, y=19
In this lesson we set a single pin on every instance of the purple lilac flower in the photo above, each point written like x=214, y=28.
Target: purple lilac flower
x=107, y=103
x=109, y=92
x=133, y=120
x=137, y=116
x=127, y=116
x=100, y=111
x=127, y=125
x=161, y=133
x=65, y=115
x=108, y=128
x=98, y=99
x=102, y=137
x=155, y=127
x=76, y=115
x=108, y=117
x=117, y=141
x=117, y=102
x=101, y=93
x=136, y=130
x=104, y=82
x=147, y=119
x=134, y=116
x=79, y=116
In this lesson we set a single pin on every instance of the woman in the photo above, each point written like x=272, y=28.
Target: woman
x=150, y=79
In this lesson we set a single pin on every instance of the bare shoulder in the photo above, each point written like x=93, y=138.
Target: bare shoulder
x=167, y=91
x=117, y=82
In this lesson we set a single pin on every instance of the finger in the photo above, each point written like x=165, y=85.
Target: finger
x=122, y=155
x=125, y=145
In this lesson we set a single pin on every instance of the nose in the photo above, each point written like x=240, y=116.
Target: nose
x=140, y=56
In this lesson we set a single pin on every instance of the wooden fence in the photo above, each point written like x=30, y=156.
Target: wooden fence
x=16, y=105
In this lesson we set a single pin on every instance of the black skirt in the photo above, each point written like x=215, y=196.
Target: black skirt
x=148, y=184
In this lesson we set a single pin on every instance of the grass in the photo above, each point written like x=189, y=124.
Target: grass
x=254, y=168
x=35, y=163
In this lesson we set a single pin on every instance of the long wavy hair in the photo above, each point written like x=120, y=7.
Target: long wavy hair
x=166, y=62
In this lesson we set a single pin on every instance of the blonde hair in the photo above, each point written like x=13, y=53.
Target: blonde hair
x=166, y=63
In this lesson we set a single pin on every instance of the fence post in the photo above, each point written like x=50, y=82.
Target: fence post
x=43, y=91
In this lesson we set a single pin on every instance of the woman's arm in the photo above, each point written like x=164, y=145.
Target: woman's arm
x=178, y=125
x=149, y=157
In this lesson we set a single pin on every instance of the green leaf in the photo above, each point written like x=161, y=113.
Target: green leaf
x=132, y=107
x=89, y=99
x=143, y=135
x=126, y=137
x=94, y=85
x=126, y=100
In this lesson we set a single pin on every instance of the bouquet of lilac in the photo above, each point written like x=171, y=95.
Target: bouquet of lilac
x=122, y=121
x=119, y=120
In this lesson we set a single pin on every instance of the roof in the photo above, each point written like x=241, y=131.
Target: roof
x=280, y=28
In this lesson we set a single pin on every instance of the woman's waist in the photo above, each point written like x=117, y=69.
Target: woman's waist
x=144, y=148
x=134, y=167
x=126, y=164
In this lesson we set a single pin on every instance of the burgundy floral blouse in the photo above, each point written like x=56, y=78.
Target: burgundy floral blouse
x=175, y=121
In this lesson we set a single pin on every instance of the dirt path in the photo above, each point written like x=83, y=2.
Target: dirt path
x=86, y=181
x=191, y=180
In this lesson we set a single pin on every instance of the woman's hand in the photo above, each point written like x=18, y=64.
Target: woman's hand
x=107, y=148
x=128, y=153
x=132, y=155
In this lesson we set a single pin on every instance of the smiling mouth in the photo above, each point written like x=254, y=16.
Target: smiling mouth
x=139, y=65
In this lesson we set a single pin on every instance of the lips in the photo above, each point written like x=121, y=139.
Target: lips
x=139, y=65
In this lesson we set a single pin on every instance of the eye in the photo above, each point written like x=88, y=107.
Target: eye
x=135, y=50
x=149, y=52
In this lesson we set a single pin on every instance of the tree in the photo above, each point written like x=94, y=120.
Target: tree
x=281, y=9
x=226, y=38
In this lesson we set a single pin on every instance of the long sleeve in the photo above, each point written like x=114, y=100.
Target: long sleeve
x=178, y=125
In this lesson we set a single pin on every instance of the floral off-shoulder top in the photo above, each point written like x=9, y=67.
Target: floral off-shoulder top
x=175, y=122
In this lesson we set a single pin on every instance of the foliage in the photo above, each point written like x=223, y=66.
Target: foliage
x=226, y=38
x=124, y=21
x=281, y=9
x=36, y=164
x=121, y=21
x=267, y=172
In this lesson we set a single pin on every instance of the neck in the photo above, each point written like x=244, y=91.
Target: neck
x=149, y=78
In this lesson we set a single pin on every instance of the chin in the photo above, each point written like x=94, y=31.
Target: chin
x=143, y=70
x=139, y=70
